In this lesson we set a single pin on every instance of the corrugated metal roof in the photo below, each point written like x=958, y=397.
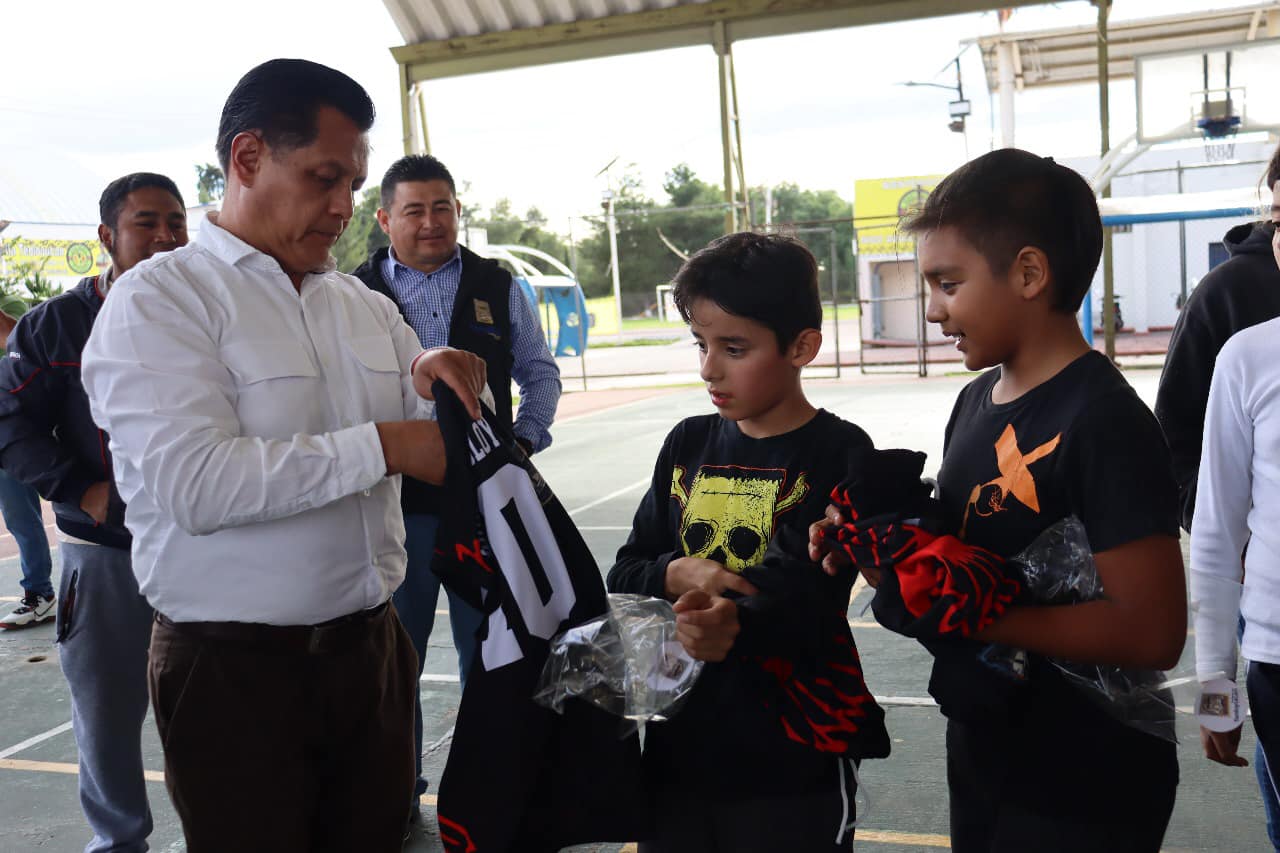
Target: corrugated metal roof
x=450, y=37
x=440, y=20
x=1070, y=55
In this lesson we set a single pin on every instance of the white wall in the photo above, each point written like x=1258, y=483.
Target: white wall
x=1147, y=259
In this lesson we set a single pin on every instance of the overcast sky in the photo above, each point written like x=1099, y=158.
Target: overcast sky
x=90, y=90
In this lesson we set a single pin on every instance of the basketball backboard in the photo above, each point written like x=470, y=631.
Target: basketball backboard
x=1210, y=94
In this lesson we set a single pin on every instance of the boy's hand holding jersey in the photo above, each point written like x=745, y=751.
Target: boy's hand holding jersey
x=928, y=584
x=706, y=625
x=689, y=573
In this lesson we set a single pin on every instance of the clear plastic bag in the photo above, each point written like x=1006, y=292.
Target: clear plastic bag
x=627, y=662
x=1058, y=568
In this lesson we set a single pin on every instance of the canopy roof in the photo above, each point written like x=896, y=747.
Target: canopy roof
x=1070, y=55
x=446, y=38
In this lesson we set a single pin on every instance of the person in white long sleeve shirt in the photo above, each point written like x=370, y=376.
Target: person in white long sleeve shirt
x=1237, y=506
x=260, y=407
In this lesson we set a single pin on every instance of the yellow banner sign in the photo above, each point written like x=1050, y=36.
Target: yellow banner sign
x=879, y=204
x=56, y=258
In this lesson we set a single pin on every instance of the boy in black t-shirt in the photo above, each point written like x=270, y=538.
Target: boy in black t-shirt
x=1009, y=244
x=762, y=757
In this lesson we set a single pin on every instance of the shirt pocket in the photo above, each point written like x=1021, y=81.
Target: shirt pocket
x=377, y=375
x=275, y=382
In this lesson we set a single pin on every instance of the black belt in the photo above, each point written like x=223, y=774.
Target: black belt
x=328, y=637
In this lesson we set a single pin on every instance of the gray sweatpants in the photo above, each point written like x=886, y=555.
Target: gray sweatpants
x=104, y=629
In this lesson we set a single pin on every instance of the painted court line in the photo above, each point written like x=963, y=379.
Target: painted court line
x=32, y=741
x=874, y=836
x=919, y=839
x=614, y=494
x=63, y=767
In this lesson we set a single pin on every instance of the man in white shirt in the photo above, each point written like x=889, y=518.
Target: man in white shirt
x=260, y=406
x=1236, y=505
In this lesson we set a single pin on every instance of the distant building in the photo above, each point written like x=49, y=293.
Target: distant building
x=1149, y=257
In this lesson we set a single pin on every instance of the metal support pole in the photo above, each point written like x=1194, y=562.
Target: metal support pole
x=612, y=222
x=835, y=299
x=1182, y=248
x=406, y=107
x=737, y=133
x=922, y=326
x=586, y=319
x=1007, y=84
x=422, y=117
x=726, y=131
x=1104, y=110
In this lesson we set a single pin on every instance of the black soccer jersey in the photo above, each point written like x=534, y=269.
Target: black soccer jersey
x=520, y=777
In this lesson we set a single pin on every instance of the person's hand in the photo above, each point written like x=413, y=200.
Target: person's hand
x=689, y=573
x=462, y=371
x=833, y=559
x=96, y=500
x=6, y=328
x=415, y=448
x=706, y=625
x=1223, y=747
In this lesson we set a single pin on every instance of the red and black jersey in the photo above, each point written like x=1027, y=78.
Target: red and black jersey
x=520, y=777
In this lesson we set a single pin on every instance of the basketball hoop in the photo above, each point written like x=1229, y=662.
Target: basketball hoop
x=1219, y=135
x=1220, y=140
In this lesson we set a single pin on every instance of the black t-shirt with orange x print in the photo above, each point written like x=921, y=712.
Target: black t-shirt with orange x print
x=1084, y=444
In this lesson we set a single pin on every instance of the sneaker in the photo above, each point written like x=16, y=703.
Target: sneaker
x=33, y=610
x=415, y=816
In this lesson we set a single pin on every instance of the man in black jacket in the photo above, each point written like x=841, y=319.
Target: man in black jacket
x=1241, y=292
x=49, y=440
x=452, y=296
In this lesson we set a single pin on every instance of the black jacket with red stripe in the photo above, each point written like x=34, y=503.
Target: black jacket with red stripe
x=47, y=437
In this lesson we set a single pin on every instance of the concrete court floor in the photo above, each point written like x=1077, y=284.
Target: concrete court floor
x=599, y=467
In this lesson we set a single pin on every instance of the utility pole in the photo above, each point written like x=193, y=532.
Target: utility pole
x=1104, y=111
x=612, y=222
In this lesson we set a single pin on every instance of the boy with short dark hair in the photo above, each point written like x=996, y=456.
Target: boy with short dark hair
x=762, y=756
x=1009, y=244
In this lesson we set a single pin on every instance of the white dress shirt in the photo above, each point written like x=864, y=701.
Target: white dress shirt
x=1238, y=502
x=241, y=414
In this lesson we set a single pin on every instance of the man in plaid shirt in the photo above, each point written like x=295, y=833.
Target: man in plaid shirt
x=453, y=297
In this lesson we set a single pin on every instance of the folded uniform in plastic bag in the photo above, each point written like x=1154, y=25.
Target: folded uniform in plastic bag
x=1058, y=568
x=627, y=662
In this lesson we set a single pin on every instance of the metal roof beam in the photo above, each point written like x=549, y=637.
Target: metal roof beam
x=656, y=29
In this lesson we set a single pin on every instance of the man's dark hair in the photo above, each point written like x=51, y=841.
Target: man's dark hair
x=111, y=202
x=763, y=277
x=279, y=99
x=414, y=167
x=1273, y=170
x=1009, y=199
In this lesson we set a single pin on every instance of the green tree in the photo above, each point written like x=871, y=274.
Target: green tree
x=690, y=230
x=796, y=208
x=210, y=183
x=504, y=227
x=362, y=236
x=643, y=261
